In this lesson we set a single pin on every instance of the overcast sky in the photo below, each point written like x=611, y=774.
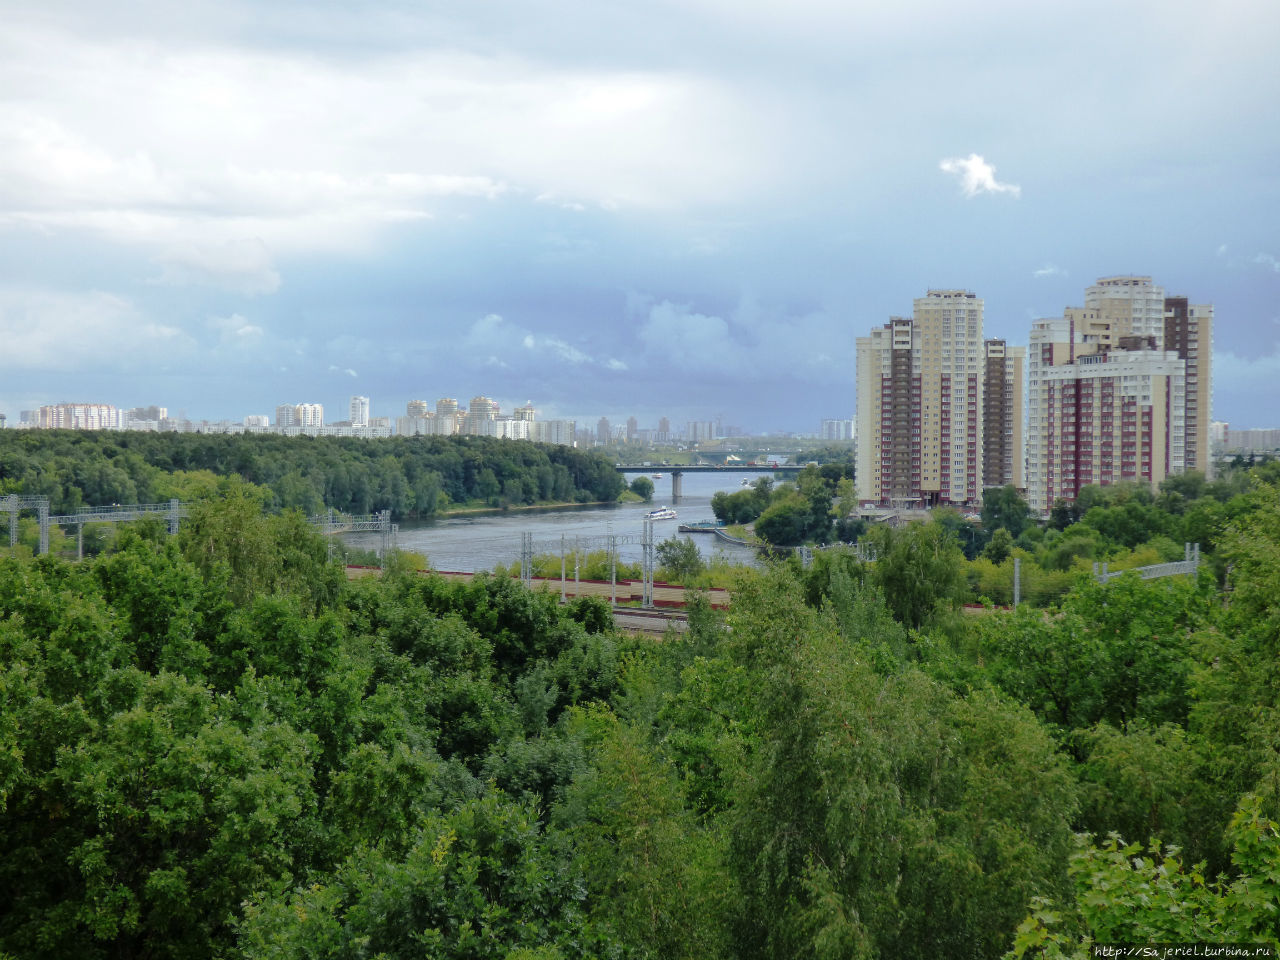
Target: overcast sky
x=610, y=206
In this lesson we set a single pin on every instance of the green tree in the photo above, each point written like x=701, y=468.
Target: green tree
x=680, y=557
x=1005, y=507
x=918, y=569
x=1131, y=893
x=880, y=815
x=786, y=522
x=1001, y=546
x=656, y=876
x=642, y=487
x=481, y=880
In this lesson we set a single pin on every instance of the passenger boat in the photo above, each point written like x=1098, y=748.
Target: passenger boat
x=657, y=476
x=662, y=513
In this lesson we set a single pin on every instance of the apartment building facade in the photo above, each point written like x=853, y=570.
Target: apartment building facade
x=920, y=386
x=1118, y=390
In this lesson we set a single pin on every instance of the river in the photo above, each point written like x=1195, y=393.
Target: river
x=479, y=541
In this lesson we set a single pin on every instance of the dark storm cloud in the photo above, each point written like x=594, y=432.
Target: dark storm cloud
x=684, y=208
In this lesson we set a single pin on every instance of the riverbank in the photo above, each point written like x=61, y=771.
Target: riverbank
x=522, y=508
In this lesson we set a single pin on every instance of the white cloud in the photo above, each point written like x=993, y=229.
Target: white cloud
x=613, y=363
x=492, y=329
x=690, y=340
x=236, y=330
x=565, y=351
x=1049, y=270
x=553, y=200
x=1269, y=261
x=977, y=176
x=243, y=266
x=489, y=329
x=76, y=332
x=232, y=142
x=347, y=370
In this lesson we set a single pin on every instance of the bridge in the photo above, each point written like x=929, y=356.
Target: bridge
x=678, y=470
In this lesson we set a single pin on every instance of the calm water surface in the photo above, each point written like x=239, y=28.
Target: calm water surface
x=472, y=543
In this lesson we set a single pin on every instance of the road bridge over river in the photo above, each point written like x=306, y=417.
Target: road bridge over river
x=676, y=471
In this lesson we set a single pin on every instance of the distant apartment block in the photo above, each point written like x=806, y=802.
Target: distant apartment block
x=482, y=420
x=701, y=431
x=1251, y=440
x=920, y=404
x=300, y=415
x=1003, y=407
x=359, y=407
x=836, y=430
x=1118, y=390
x=78, y=416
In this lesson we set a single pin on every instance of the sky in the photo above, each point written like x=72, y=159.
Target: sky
x=610, y=207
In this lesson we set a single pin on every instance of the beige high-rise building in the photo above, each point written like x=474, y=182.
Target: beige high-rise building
x=1188, y=331
x=300, y=415
x=920, y=404
x=447, y=419
x=480, y=416
x=1119, y=390
x=78, y=416
x=310, y=414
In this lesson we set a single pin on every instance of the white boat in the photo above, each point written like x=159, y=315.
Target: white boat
x=657, y=476
x=662, y=513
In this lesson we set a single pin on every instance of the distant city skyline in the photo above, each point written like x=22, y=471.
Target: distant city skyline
x=623, y=209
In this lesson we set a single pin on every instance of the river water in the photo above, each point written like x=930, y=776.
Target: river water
x=479, y=541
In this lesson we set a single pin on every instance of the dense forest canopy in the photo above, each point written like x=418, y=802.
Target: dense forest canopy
x=214, y=745
x=410, y=476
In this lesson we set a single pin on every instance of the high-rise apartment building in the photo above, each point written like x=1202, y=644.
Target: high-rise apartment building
x=552, y=431
x=1118, y=390
x=359, y=411
x=701, y=431
x=1188, y=332
x=447, y=416
x=78, y=416
x=300, y=415
x=920, y=387
x=310, y=415
x=837, y=430
x=1003, y=452
x=480, y=416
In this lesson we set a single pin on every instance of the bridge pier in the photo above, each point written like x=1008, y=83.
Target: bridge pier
x=676, y=477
